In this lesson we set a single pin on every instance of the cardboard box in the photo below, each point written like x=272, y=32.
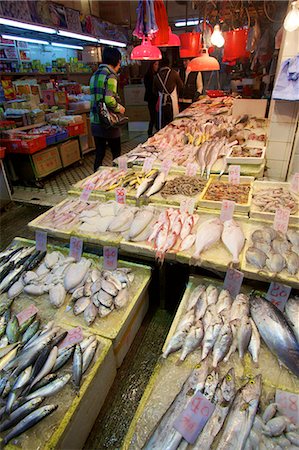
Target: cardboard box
x=134, y=94
x=137, y=113
x=69, y=152
x=46, y=161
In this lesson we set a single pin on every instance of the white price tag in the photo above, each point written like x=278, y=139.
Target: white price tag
x=191, y=169
x=234, y=174
x=278, y=294
x=281, y=220
x=165, y=166
x=110, y=258
x=76, y=247
x=227, y=210
x=233, y=281
x=41, y=240
x=187, y=205
x=288, y=405
x=120, y=195
x=148, y=164
x=295, y=183
x=123, y=163
x=87, y=191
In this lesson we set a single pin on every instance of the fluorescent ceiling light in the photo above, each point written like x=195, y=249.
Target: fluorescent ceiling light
x=82, y=37
x=75, y=47
x=26, y=26
x=189, y=23
x=115, y=43
x=17, y=38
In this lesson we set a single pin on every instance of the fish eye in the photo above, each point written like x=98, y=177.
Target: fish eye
x=209, y=377
x=198, y=366
x=251, y=381
x=228, y=377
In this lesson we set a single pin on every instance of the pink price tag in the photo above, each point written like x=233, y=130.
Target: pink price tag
x=41, y=241
x=194, y=417
x=234, y=174
x=148, y=164
x=227, y=210
x=165, y=166
x=120, y=195
x=278, y=294
x=233, y=281
x=76, y=247
x=110, y=258
x=281, y=220
x=295, y=183
x=187, y=205
x=288, y=405
x=26, y=314
x=191, y=169
x=87, y=191
x=74, y=336
x=123, y=163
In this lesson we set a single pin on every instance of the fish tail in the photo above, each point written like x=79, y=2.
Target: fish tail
x=180, y=361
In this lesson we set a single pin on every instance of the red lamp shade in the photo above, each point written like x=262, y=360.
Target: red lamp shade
x=190, y=45
x=173, y=40
x=203, y=63
x=235, y=45
x=146, y=51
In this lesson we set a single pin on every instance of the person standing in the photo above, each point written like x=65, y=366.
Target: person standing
x=103, y=86
x=149, y=95
x=167, y=85
x=193, y=85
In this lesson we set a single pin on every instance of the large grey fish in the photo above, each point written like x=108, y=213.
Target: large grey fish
x=29, y=421
x=292, y=313
x=50, y=388
x=276, y=332
x=241, y=416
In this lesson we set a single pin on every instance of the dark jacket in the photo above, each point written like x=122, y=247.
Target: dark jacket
x=173, y=81
x=149, y=95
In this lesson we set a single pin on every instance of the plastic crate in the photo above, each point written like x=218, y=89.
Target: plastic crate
x=75, y=129
x=2, y=152
x=51, y=139
x=12, y=145
x=215, y=93
x=61, y=136
x=30, y=146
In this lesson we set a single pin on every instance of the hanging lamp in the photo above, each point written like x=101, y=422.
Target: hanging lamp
x=291, y=22
x=203, y=62
x=173, y=40
x=217, y=37
x=146, y=51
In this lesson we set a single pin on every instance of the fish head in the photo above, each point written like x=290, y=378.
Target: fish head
x=228, y=386
x=252, y=389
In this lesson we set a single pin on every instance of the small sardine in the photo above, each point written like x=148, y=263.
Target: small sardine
x=77, y=367
x=88, y=355
x=51, y=388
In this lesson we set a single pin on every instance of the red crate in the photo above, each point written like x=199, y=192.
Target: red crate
x=26, y=146
x=2, y=152
x=12, y=145
x=76, y=129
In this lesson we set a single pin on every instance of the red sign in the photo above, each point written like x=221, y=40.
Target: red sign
x=278, y=294
x=76, y=247
x=166, y=165
x=295, y=183
x=234, y=174
x=194, y=417
x=288, y=405
x=120, y=195
x=191, y=169
x=87, y=191
x=41, y=240
x=281, y=220
x=233, y=281
x=148, y=164
x=74, y=336
x=123, y=163
x=110, y=258
x=26, y=314
x=227, y=210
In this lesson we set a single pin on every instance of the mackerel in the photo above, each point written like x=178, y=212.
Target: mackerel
x=77, y=367
x=19, y=413
x=88, y=355
x=51, y=388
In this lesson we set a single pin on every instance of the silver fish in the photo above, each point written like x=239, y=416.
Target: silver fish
x=222, y=344
x=275, y=426
x=201, y=306
x=275, y=262
x=77, y=367
x=269, y=412
x=109, y=287
x=292, y=261
x=90, y=313
x=86, y=342
x=46, y=369
x=122, y=298
x=62, y=359
x=244, y=336
x=254, y=343
x=240, y=307
x=292, y=313
x=103, y=311
x=209, y=339
x=256, y=257
x=212, y=295
x=194, y=297
x=192, y=340
x=186, y=321
x=20, y=412
x=88, y=355
x=51, y=388
x=176, y=342
x=80, y=305
x=23, y=378
x=224, y=301
x=276, y=332
x=211, y=385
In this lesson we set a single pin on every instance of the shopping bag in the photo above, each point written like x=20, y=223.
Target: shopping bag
x=287, y=83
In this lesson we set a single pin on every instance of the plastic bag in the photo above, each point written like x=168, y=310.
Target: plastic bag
x=287, y=83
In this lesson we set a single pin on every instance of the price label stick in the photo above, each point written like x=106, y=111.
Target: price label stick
x=288, y=405
x=74, y=336
x=110, y=258
x=187, y=205
x=87, y=191
x=281, y=220
x=234, y=174
x=227, y=210
x=26, y=314
x=76, y=247
x=148, y=164
x=278, y=294
x=233, y=281
x=123, y=163
x=120, y=195
x=191, y=169
x=41, y=240
x=295, y=183
x=194, y=417
x=166, y=165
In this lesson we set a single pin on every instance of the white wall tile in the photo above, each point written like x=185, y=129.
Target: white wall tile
x=295, y=165
x=281, y=132
x=291, y=46
x=274, y=169
x=277, y=151
x=283, y=111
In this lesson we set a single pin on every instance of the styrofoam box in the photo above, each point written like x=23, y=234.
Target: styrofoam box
x=245, y=160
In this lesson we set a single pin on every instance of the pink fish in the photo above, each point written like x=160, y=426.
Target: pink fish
x=187, y=227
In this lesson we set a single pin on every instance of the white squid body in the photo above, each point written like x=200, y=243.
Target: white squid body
x=208, y=233
x=233, y=238
x=75, y=274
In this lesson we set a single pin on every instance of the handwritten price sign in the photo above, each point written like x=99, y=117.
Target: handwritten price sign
x=41, y=241
x=76, y=247
x=288, y=405
x=234, y=174
x=281, y=220
x=227, y=210
x=194, y=417
x=166, y=165
x=148, y=164
x=295, y=183
x=278, y=294
x=74, y=336
x=123, y=163
x=26, y=314
x=233, y=281
x=120, y=195
x=187, y=205
x=87, y=191
x=110, y=258
x=191, y=169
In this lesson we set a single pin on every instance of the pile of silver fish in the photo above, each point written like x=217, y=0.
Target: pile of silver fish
x=273, y=251
x=31, y=359
x=218, y=324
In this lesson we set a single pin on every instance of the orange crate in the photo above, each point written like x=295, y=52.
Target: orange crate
x=75, y=129
x=32, y=145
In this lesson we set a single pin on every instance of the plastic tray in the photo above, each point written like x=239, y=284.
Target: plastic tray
x=246, y=160
x=75, y=129
x=61, y=136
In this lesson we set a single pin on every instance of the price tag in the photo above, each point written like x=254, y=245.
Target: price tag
x=194, y=417
x=123, y=163
x=288, y=405
x=120, y=195
x=166, y=165
x=281, y=220
x=227, y=210
x=74, y=336
x=41, y=241
x=278, y=294
x=26, y=314
x=191, y=169
x=87, y=191
x=187, y=205
x=234, y=174
x=76, y=247
x=295, y=183
x=148, y=164
x=233, y=281
x=110, y=258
